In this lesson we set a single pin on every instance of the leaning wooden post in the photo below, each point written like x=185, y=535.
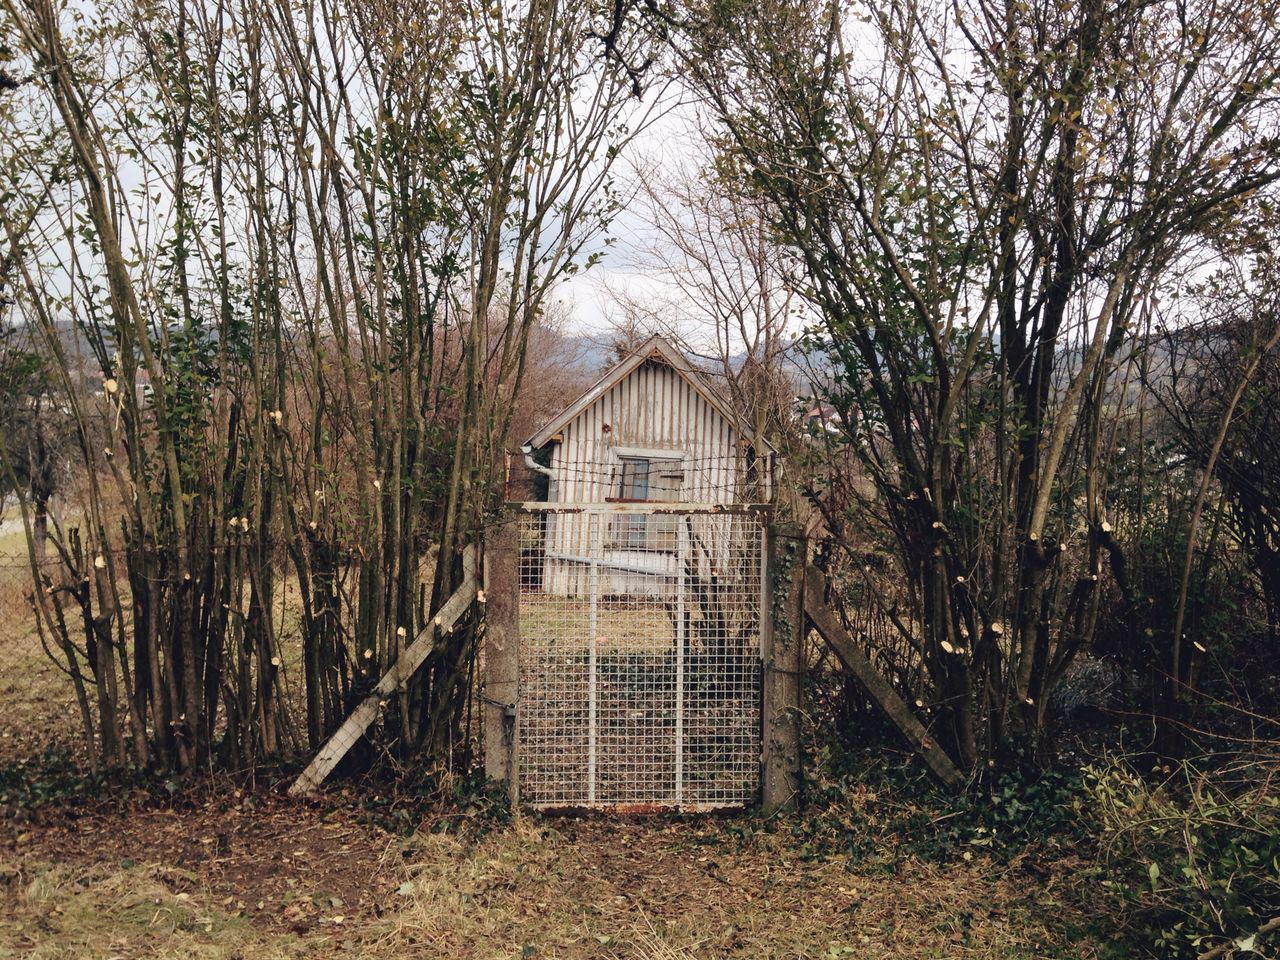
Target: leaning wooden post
x=830, y=628
x=414, y=656
x=784, y=634
x=501, y=651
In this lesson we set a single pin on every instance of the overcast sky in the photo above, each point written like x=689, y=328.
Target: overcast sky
x=669, y=143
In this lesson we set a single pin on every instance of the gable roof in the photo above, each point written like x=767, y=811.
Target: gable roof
x=655, y=348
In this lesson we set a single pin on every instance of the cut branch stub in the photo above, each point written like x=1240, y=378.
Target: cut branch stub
x=363, y=716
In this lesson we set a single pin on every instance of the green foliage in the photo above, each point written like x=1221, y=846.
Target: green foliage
x=873, y=811
x=1188, y=862
x=53, y=778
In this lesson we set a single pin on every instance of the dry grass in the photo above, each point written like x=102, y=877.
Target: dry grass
x=13, y=542
x=663, y=890
x=225, y=873
x=38, y=701
x=656, y=889
x=562, y=623
x=64, y=912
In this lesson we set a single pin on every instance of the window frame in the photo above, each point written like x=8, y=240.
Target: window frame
x=651, y=455
x=637, y=533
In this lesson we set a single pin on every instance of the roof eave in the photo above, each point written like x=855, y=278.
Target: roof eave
x=654, y=348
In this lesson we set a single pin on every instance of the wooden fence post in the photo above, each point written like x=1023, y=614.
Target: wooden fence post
x=501, y=651
x=784, y=633
x=828, y=625
x=363, y=716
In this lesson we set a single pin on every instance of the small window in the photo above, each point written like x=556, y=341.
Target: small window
x=645, y=480
x=633, y=479
x=641, y=480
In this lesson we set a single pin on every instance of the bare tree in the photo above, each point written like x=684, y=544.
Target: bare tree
x=726, y=296
x=1217, y=381
x=982, y=195
x=306, y=248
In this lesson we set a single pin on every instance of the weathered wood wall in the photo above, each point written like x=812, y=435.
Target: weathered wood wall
x=653, y=409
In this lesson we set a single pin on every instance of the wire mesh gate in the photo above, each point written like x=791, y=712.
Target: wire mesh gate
x=640, y=656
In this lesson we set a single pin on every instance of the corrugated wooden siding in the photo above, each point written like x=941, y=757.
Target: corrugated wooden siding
x=653, y=408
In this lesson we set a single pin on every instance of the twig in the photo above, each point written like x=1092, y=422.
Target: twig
x=1270, y=926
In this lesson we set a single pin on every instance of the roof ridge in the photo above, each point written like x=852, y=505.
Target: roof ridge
x=655, y=347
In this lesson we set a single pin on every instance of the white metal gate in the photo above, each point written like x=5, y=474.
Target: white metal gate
x=640, y=656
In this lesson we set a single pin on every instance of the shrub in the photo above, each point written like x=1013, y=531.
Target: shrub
x=1191, y=863
x=862, y=804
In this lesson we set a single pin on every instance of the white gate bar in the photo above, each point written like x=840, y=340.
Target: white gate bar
x=618, y=565
x=765, y=622
x=682, y=536
x=593, y=621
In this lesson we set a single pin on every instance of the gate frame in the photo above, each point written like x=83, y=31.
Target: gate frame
x=782, y=633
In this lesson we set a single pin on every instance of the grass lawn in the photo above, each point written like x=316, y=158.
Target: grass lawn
x=551, y=622
x=36, y=694
x=13, y=546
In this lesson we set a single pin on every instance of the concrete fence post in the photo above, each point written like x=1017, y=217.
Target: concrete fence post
x=784, y=626
x=501, y=651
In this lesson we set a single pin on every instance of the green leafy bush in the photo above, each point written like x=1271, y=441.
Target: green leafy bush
x=861, y=805
x=1190, y=863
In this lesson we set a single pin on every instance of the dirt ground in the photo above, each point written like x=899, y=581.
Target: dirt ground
x=253, y=876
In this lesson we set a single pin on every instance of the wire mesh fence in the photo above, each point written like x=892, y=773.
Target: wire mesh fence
x=640, y=656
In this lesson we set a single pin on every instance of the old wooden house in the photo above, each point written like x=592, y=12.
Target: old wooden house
x=651, y=430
